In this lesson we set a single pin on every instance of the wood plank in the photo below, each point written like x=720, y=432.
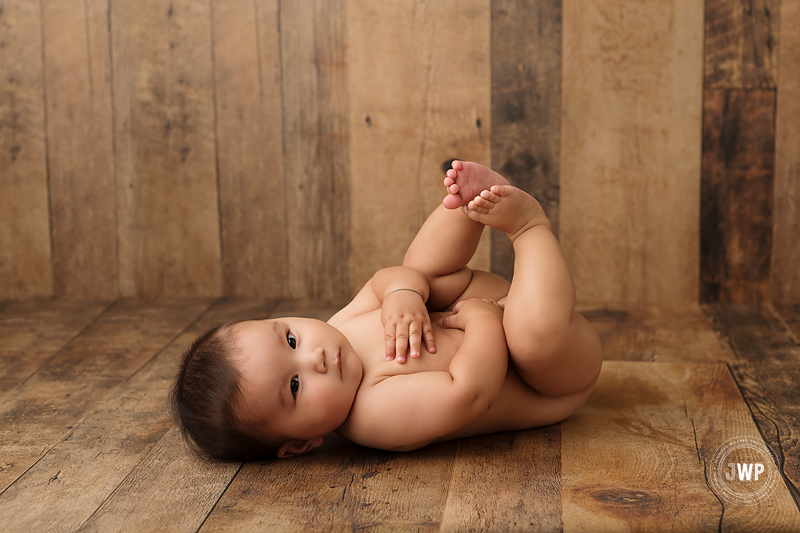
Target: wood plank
x=767, y=370
x=166, y=183
x=169, y=486
x=33, y=331
x=247, y=81
x=25, y=251
x=505, y=482
x=741, y=43
x=80, y=150
x=79, y=474
x=43, y=410
x=526, y=107
x=638, y=454
x=785, y=281
x=719, y=414
x=630, y=149
x=339, y=486
x=420, y=91
x=736, y=197
x=316, y=148
x=656, y=333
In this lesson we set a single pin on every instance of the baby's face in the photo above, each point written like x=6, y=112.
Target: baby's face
x=300, y=375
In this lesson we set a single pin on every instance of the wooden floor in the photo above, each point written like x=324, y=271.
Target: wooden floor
x=86, y=442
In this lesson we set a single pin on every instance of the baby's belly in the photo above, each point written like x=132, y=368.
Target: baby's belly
x=366, y=334
x=518, y=406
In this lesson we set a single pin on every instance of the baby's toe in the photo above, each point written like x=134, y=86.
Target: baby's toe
x=457, y=165
x=448, y=181
x=490, y=196
x=475, y=205
x=451, y=201
x=501, y=190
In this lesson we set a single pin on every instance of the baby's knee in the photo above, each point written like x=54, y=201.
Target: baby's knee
x=540, y=335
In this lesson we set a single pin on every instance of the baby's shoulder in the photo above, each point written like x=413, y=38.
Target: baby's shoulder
x=364, y=302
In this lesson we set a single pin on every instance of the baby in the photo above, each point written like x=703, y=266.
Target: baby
x=505, y=357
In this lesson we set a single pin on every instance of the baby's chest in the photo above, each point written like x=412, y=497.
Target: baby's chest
x=367, y=336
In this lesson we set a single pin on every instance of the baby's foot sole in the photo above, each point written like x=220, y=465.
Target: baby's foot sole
x=507, y=209
x=466, y=180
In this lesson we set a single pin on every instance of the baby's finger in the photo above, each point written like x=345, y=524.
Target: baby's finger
x=448, y=321
x=414, y=339
x=389, y=340
x=429, y=337
x=401, y=342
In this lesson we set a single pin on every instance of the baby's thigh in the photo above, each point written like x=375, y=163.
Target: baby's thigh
x=483, y=285
x=528, y=408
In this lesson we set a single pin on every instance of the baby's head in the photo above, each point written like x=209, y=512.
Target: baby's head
x=261, y=388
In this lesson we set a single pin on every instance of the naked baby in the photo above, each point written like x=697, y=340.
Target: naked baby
x=426, y=352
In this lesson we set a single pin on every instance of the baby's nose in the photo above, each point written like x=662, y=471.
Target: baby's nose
x=319, y=361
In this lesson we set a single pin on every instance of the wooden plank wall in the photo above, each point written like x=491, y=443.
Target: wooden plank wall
x=785, y=281
x=289, y=149
x=741, y=74
x=630, y=149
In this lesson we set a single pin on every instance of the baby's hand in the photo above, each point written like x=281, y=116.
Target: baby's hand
x=466, y=310
x=405, y=320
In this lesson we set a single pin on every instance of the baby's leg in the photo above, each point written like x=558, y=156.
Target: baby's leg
x=553, y=348
x=448, y=239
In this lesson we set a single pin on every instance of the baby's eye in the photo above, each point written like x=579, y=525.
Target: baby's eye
x=291, y=340
x=294, y=385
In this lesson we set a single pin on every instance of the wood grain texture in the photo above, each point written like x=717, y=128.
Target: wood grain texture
x=526, y=107
x=169, y=487
x=80, y=147
x=656, y=333
x=736, y=197
x=33, y=331
x=25, y=250
x=714, y=403
x=785, y=280
x=741, y=43
x=636, y=456
x=128, y=479
x=316, y=147
x=339, y=486
x=420, y=89
x=506, y=482
x=42, y=411
x=629, y=458
x=767, y=370
x=247, y=81
x=166, y=183
x=631, y=113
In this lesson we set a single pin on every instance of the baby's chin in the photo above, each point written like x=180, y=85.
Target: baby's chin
x=334, y=420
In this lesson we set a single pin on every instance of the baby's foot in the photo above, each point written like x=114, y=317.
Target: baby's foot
x=507, y=209
x=466, y=180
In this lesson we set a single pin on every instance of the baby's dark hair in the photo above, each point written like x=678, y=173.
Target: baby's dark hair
x=205, y=397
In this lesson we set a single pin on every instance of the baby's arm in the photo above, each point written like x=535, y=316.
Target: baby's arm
x=436, y=403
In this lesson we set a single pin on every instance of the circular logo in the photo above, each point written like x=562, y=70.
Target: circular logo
x=742, y=471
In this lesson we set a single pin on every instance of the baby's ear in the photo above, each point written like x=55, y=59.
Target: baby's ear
x=298, y=447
